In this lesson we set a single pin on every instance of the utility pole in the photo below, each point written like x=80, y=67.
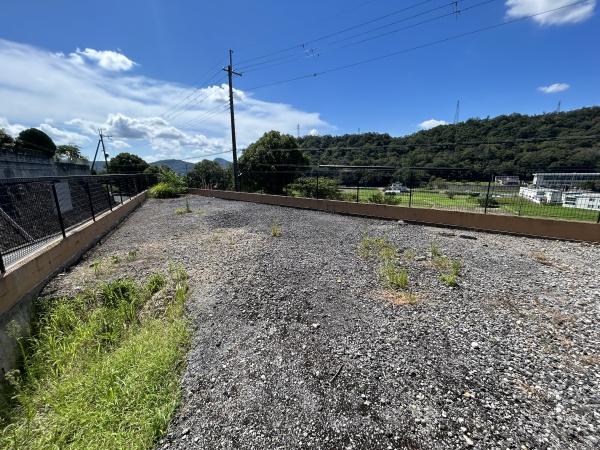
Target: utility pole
x=230, y=73
x=101, y=137
x=558, y=107
x=457, y=112
x=298, y=130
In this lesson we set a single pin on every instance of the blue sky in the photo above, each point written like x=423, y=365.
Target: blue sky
x=131, y=67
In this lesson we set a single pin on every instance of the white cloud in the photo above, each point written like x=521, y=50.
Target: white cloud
x=313, y=132
x=572, y=14
x=63, y=136
x=11, y=128
x=107, y=59
x=554, y=88
x=432, y=123
x=73, y=95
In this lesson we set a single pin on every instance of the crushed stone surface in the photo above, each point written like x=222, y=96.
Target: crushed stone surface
x=298, y=343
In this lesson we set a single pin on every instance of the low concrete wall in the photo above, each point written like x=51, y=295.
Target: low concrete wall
x=22, y=282
x=525, y=226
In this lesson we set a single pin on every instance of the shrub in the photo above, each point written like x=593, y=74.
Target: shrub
x=275, y=229
x=307, y=187
x=163, y=190
x=383, y=199
x=491, y=202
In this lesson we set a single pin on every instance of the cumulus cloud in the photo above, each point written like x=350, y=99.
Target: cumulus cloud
x=79, y=97
x=60, y=136
x=107, y=59
x=12, y=129
x=313, y=132
x=572, y=14
x=554, y=88
x=432, y=123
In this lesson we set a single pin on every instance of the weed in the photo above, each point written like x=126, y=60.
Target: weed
x=449, y=279
x=435, y=250
x=275, y=229
x=410, y=254
x=155, y=283
x=186, y=210
x=115, y=260
x=131, y=255
x=370, y=247
x=96, y=266
x=394, y=277
x=95, y=374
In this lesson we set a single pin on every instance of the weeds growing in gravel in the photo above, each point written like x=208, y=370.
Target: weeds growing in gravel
x=275, y=229
x=96, y=266
x=97, y=373
x=395, y=277
x=131, y=255
x=409, y=254
x=115, y=260
x=186, y=210
x=376, y=247
x=449, y=268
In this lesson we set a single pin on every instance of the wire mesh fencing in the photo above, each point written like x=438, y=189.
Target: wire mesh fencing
x=35, y=211
x=556, y=195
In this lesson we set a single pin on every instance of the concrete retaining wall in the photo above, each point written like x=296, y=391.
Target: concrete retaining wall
x=23, y=281
x=19, y=165
x=525, y=226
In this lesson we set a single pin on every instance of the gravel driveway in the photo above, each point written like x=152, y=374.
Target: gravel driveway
x=297, y=343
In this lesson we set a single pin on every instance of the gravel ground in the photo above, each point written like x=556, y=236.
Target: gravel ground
x=297, y=344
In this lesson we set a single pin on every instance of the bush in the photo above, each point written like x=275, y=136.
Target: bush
x=383, y=199
x=491, y=202
x=307, y=187
x=163, y=190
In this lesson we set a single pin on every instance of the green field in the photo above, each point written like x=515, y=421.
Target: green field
x=516, y=206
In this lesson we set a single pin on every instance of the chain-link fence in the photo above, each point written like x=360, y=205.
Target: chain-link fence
x=559, y=195
x=35, y=211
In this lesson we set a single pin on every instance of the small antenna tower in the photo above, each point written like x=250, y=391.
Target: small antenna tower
x=558, y=106
x=457, y=112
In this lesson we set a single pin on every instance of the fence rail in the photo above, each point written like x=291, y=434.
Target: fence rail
x=35, y=211
x=566, y=196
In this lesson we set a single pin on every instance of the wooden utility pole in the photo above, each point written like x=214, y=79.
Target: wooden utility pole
x=230, y=73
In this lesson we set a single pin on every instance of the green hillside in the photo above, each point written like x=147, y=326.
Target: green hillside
x=508, y=144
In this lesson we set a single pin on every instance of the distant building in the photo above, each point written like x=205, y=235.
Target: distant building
x=537, y=195
x=563, y=180
x=507, y=180
x=583, y=200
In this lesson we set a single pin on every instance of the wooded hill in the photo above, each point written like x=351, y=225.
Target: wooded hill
x=509, y=144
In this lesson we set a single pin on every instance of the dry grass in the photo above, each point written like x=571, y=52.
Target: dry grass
x=399, y=297
x=542, y=258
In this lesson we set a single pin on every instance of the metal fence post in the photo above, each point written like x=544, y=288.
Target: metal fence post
x=121, y=190
x=57, y=204
x=89, y=194
x=357, y=190
x=410, y=183
x=2, y=268
x=109, y=195
x=598, y=219
x=487, y=195
x=317, y=184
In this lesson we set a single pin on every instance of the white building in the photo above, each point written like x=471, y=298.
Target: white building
x=583, y=200
x=541, y=195
x=563, y=180
x=507, y=180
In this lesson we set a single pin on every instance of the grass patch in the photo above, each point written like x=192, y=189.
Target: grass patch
x=394, y=277
x=409, y=254
x=275, y=229
x=377, y=247
x=97, y=373
x=131, y=255
x=449, y=268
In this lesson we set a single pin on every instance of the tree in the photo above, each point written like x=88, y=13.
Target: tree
x=35, y=141
x=271, y=163
x=127, y=163
x=208, y=174
x=70, y=151
x=6, y=140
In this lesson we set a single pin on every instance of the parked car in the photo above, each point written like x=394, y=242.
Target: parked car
x=396, y=189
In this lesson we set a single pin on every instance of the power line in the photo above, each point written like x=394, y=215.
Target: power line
x=417, y=47
x=326, y=36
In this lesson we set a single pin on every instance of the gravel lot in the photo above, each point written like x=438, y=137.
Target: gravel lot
x=297, y=343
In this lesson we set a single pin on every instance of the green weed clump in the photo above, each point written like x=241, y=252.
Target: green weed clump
x=395, y=277
x=186, y=210
x=275, y=229
x=449, y=268
x=377, y=247
x=98, y=374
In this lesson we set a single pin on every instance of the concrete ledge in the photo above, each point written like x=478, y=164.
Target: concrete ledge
x=524, y=226
x=23, y=281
